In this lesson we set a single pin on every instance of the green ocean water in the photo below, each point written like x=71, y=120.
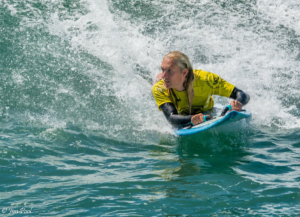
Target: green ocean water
x=81, y=135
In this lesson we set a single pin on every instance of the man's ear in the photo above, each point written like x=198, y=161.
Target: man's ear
x=185, y=72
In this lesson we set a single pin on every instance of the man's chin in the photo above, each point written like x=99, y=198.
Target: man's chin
x=167, y=85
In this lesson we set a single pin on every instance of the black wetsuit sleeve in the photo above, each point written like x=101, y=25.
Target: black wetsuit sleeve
x=172, y=116
x=240, y=96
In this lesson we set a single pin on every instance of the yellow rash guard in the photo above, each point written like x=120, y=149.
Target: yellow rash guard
x=206, y=84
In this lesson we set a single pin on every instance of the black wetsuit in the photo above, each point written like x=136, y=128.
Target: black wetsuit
x=179, y=121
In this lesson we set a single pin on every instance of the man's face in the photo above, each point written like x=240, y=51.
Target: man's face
x=172, y=75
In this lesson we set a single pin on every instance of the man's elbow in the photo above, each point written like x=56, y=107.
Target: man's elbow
x=243, y=97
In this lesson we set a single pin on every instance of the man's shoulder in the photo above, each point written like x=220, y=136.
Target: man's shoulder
x=159, y=87
x=209, y=78
x=200, y=74
x=200, y=77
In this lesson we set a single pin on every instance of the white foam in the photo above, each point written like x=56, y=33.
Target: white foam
x=279, y=12
x=246, y=45
x=123, y=47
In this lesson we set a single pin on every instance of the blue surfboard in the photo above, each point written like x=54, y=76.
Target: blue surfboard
x=219, y=120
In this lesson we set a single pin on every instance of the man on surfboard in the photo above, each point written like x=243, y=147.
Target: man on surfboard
x=183, y=93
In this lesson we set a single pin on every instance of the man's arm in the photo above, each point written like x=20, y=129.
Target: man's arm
x=172, y=116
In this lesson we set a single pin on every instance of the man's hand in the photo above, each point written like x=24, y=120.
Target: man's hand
x=199, y=118
x=158, y=77
x=235, y=105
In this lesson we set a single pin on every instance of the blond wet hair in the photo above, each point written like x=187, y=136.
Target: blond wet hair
x=183, y=62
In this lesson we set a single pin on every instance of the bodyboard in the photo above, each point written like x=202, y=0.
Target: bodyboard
x=228, y=118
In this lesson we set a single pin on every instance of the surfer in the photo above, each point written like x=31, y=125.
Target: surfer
x=184, y=94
